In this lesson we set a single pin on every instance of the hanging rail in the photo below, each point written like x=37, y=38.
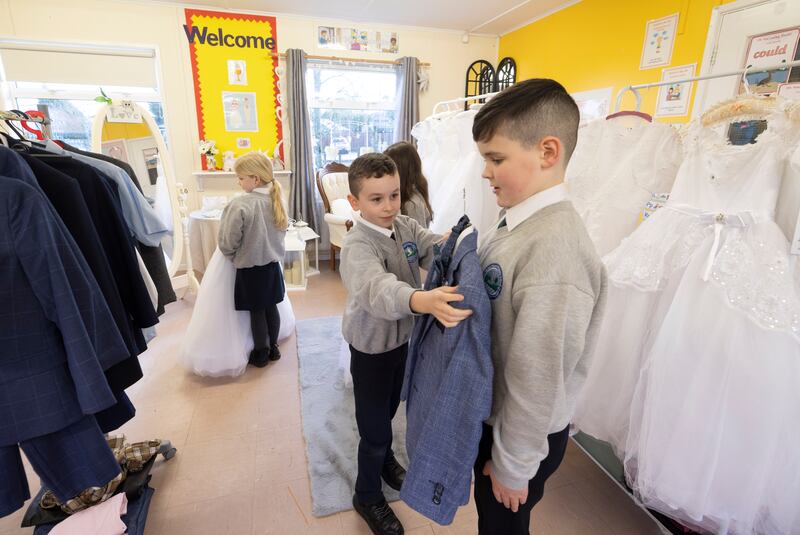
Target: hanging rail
x=484, y=96
x=14, y=116
x=741, y=72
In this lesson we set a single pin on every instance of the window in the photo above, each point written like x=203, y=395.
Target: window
x=352, y=109
x=72, y=108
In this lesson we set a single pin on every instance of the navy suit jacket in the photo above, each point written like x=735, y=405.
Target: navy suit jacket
x=56, y=332
x=448, y=387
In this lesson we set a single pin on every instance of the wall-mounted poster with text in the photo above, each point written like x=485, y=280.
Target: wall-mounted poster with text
x=233, y=58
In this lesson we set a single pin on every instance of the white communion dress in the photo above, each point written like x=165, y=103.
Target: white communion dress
x=453, y=166
x=219, y=340
x=696, y=377
x=616, y=168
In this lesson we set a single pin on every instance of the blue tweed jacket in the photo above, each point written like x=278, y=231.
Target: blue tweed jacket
x=56, y=332
x=448, y=387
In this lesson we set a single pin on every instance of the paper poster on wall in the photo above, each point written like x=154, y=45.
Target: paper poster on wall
x=330, y=37
x=769, y=49
x=242, y=142
x=237, y=72
x=594, y=104
x=673, y=99
x=240, y=111
x=659, y=40
x=789, y=91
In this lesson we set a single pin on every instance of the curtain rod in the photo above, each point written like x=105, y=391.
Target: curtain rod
x=354, y=60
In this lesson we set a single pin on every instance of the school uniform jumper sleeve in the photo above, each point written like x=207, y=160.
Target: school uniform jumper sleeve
x=551, y=321
x=372, y=287
x=231, y=229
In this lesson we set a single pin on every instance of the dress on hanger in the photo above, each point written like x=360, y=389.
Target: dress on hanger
x=615, y=169
x=696, y=378
x=452, y=164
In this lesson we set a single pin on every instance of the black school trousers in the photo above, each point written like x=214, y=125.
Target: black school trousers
x=377, y=383
x=493, y=517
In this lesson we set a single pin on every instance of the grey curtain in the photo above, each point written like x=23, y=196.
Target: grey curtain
x=302, y=204
x=408, y=99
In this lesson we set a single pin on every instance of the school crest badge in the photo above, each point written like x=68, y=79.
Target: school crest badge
x=412, y=254
x=493, y=280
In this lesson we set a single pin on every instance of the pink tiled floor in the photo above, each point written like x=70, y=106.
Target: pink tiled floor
x=241, y=465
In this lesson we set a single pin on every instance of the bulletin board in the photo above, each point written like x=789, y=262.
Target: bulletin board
x=234, y=57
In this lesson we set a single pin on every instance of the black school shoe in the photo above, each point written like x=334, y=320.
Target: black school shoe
x=259, y=358
x=393, y=473
x=275, y=353
x=379, y=517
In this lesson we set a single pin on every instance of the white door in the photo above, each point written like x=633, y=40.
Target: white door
x=726, y=47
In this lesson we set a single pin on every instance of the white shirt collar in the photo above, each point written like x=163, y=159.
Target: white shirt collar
x=522, y=211
x=265, y=190
x=385, y=231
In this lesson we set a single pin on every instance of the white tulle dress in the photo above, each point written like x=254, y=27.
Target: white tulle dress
x=616, y=168
x=219, y=340
x=453, y=166
x=696, y=378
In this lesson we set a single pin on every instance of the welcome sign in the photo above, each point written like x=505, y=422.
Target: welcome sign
x=233, y=58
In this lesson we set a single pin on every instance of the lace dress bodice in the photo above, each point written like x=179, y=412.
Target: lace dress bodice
x=615, y=170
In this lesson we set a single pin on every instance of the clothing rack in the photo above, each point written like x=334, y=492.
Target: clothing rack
x=447, y=103
x=15, y=116
x=741, y=72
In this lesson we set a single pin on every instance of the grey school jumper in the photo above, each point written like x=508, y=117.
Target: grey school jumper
x=380, y=274
x=415, y=208
x=548, y=287
x=248, y=234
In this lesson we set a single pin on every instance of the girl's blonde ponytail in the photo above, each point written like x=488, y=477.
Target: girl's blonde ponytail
x=258, y=165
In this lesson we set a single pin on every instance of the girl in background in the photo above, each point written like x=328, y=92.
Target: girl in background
x=413, y=184
x=252, y=235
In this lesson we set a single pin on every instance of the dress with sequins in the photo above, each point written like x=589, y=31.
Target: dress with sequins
x=696, y=377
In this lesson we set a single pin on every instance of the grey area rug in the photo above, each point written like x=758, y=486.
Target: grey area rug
x=329, y=421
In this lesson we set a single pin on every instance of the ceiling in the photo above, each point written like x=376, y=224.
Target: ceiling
x=494, y=17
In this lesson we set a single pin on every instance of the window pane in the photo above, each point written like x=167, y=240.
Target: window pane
x=352, y=110
x=341, y=134
x=70, y=120
x=367, y=88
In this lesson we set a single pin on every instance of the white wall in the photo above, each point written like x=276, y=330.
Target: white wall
x=153, y=24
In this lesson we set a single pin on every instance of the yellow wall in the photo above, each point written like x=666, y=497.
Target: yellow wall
x=125, y=131
x=598, y=43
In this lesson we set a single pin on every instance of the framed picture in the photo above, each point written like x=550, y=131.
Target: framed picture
x=326, y=37
x=241, y=114
x=150, y=156
x=237, y=72
x=116, y=148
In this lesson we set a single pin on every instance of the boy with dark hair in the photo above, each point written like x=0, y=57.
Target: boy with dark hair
x=380, y=265
x=547, y=286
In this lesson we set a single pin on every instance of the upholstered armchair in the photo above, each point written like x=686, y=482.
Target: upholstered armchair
x=334, y=188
